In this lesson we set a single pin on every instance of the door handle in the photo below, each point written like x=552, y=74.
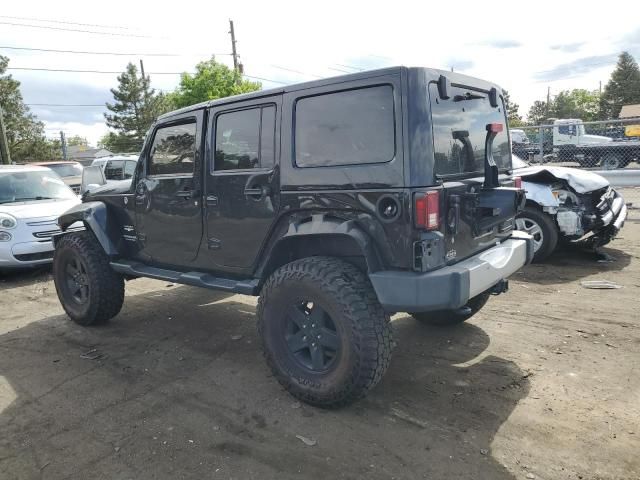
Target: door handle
x=253, y=191
x=258, y=192
x=187, y=194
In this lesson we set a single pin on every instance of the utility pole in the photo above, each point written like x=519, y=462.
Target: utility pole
x=63, y=142
x=142, y=68
x=4, y=145
x=548, y=99
x=233, y=46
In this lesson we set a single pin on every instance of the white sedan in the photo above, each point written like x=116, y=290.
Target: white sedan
x=31, y=199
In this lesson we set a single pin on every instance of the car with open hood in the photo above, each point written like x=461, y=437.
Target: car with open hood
x=567, y=206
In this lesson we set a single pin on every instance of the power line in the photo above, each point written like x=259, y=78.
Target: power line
x=64, y=22
x=68, y=70
x=81, y=52
x=87, y=71
x=47, y=27
x=65, y=104
x=296, y=71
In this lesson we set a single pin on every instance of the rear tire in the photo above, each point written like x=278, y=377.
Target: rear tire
x=90, y=291
x=324, y=333
x=449, y=318
x=612, y=161
x=543, y=229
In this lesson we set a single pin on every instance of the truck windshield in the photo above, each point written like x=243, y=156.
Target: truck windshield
x=459, y=131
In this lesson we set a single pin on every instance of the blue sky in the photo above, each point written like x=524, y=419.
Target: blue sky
x=522, y=48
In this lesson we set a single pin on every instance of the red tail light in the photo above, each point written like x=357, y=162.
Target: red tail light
x=517, y=182
x=428, y=210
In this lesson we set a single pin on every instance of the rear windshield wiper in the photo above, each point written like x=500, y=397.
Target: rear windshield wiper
x=467, y=96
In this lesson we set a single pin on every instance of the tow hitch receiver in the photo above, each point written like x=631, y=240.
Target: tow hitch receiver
x=501, y=287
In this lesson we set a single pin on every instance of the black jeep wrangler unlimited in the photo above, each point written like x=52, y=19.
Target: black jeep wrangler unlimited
x=338, y=202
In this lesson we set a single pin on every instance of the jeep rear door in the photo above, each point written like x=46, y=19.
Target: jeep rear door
x=473, y=217
x=168, y=193
x=242, y=182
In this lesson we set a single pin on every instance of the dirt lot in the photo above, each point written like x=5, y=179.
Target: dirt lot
x=543, y=383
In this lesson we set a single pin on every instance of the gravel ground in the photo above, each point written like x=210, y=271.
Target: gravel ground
x=543, y=383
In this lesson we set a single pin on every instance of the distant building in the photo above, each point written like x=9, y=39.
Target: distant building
x=86, y=155
x=630, y=111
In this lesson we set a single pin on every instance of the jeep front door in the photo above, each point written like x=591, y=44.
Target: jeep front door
x=242, y=183
x=168, y=195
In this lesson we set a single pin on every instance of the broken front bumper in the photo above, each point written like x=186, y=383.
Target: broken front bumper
x=608, y=223
x=451, y=287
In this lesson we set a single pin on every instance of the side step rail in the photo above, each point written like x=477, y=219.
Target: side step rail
x=196, y=279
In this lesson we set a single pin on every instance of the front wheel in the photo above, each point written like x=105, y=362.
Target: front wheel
x=90, y=291
x=543, y=230
x=448, y=318
x=324, y=333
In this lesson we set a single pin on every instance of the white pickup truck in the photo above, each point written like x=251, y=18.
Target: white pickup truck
x=572, y=143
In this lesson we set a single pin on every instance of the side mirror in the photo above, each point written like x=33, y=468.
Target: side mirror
x=92, y=177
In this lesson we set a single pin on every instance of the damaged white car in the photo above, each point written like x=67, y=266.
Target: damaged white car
x=567, y=205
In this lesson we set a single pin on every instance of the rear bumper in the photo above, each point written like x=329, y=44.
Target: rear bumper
x=451, y=287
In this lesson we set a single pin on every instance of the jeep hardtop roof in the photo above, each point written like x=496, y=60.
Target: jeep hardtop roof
x=431, y=74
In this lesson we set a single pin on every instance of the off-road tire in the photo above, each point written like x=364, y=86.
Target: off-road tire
x=449, y=318
x=105, y=286
x=363, y=328
x=548, y=228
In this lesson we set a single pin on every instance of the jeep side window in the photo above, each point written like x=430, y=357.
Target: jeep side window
x=245, y=139
x=351, y=127
x=173, y=150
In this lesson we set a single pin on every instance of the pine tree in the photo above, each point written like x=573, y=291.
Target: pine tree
x=515, y=119
x=25, y=133
x=134, y=110
x=623, y=87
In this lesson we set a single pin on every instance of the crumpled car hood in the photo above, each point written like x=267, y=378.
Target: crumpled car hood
x=581, y=181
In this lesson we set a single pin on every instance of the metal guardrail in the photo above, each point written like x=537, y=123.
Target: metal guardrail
x=621, y=178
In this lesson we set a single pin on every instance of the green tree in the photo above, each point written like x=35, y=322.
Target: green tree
x=135, y=108
x=538, y=113
x=119, y=143
x=515, y=119
x=25, y=133
x=77, y=141
x=623, y=87
x=576, y=103
x=212, y=80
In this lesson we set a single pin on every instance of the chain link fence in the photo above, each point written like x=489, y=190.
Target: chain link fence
x=610, y=148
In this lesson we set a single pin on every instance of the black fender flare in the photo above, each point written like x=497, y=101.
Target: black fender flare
x=95, y=217
x=321, y=226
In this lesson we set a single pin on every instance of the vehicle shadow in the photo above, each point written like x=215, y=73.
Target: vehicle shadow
x=568, y=264
x=12, y=278
x=176, y=387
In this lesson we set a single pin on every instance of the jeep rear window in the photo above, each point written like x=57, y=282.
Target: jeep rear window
x=351, y=127
x=459, y=131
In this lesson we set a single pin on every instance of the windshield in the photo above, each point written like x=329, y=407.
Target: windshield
x=518, y=162
x=24, y=186
x=459, y=132
x=66, y=169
